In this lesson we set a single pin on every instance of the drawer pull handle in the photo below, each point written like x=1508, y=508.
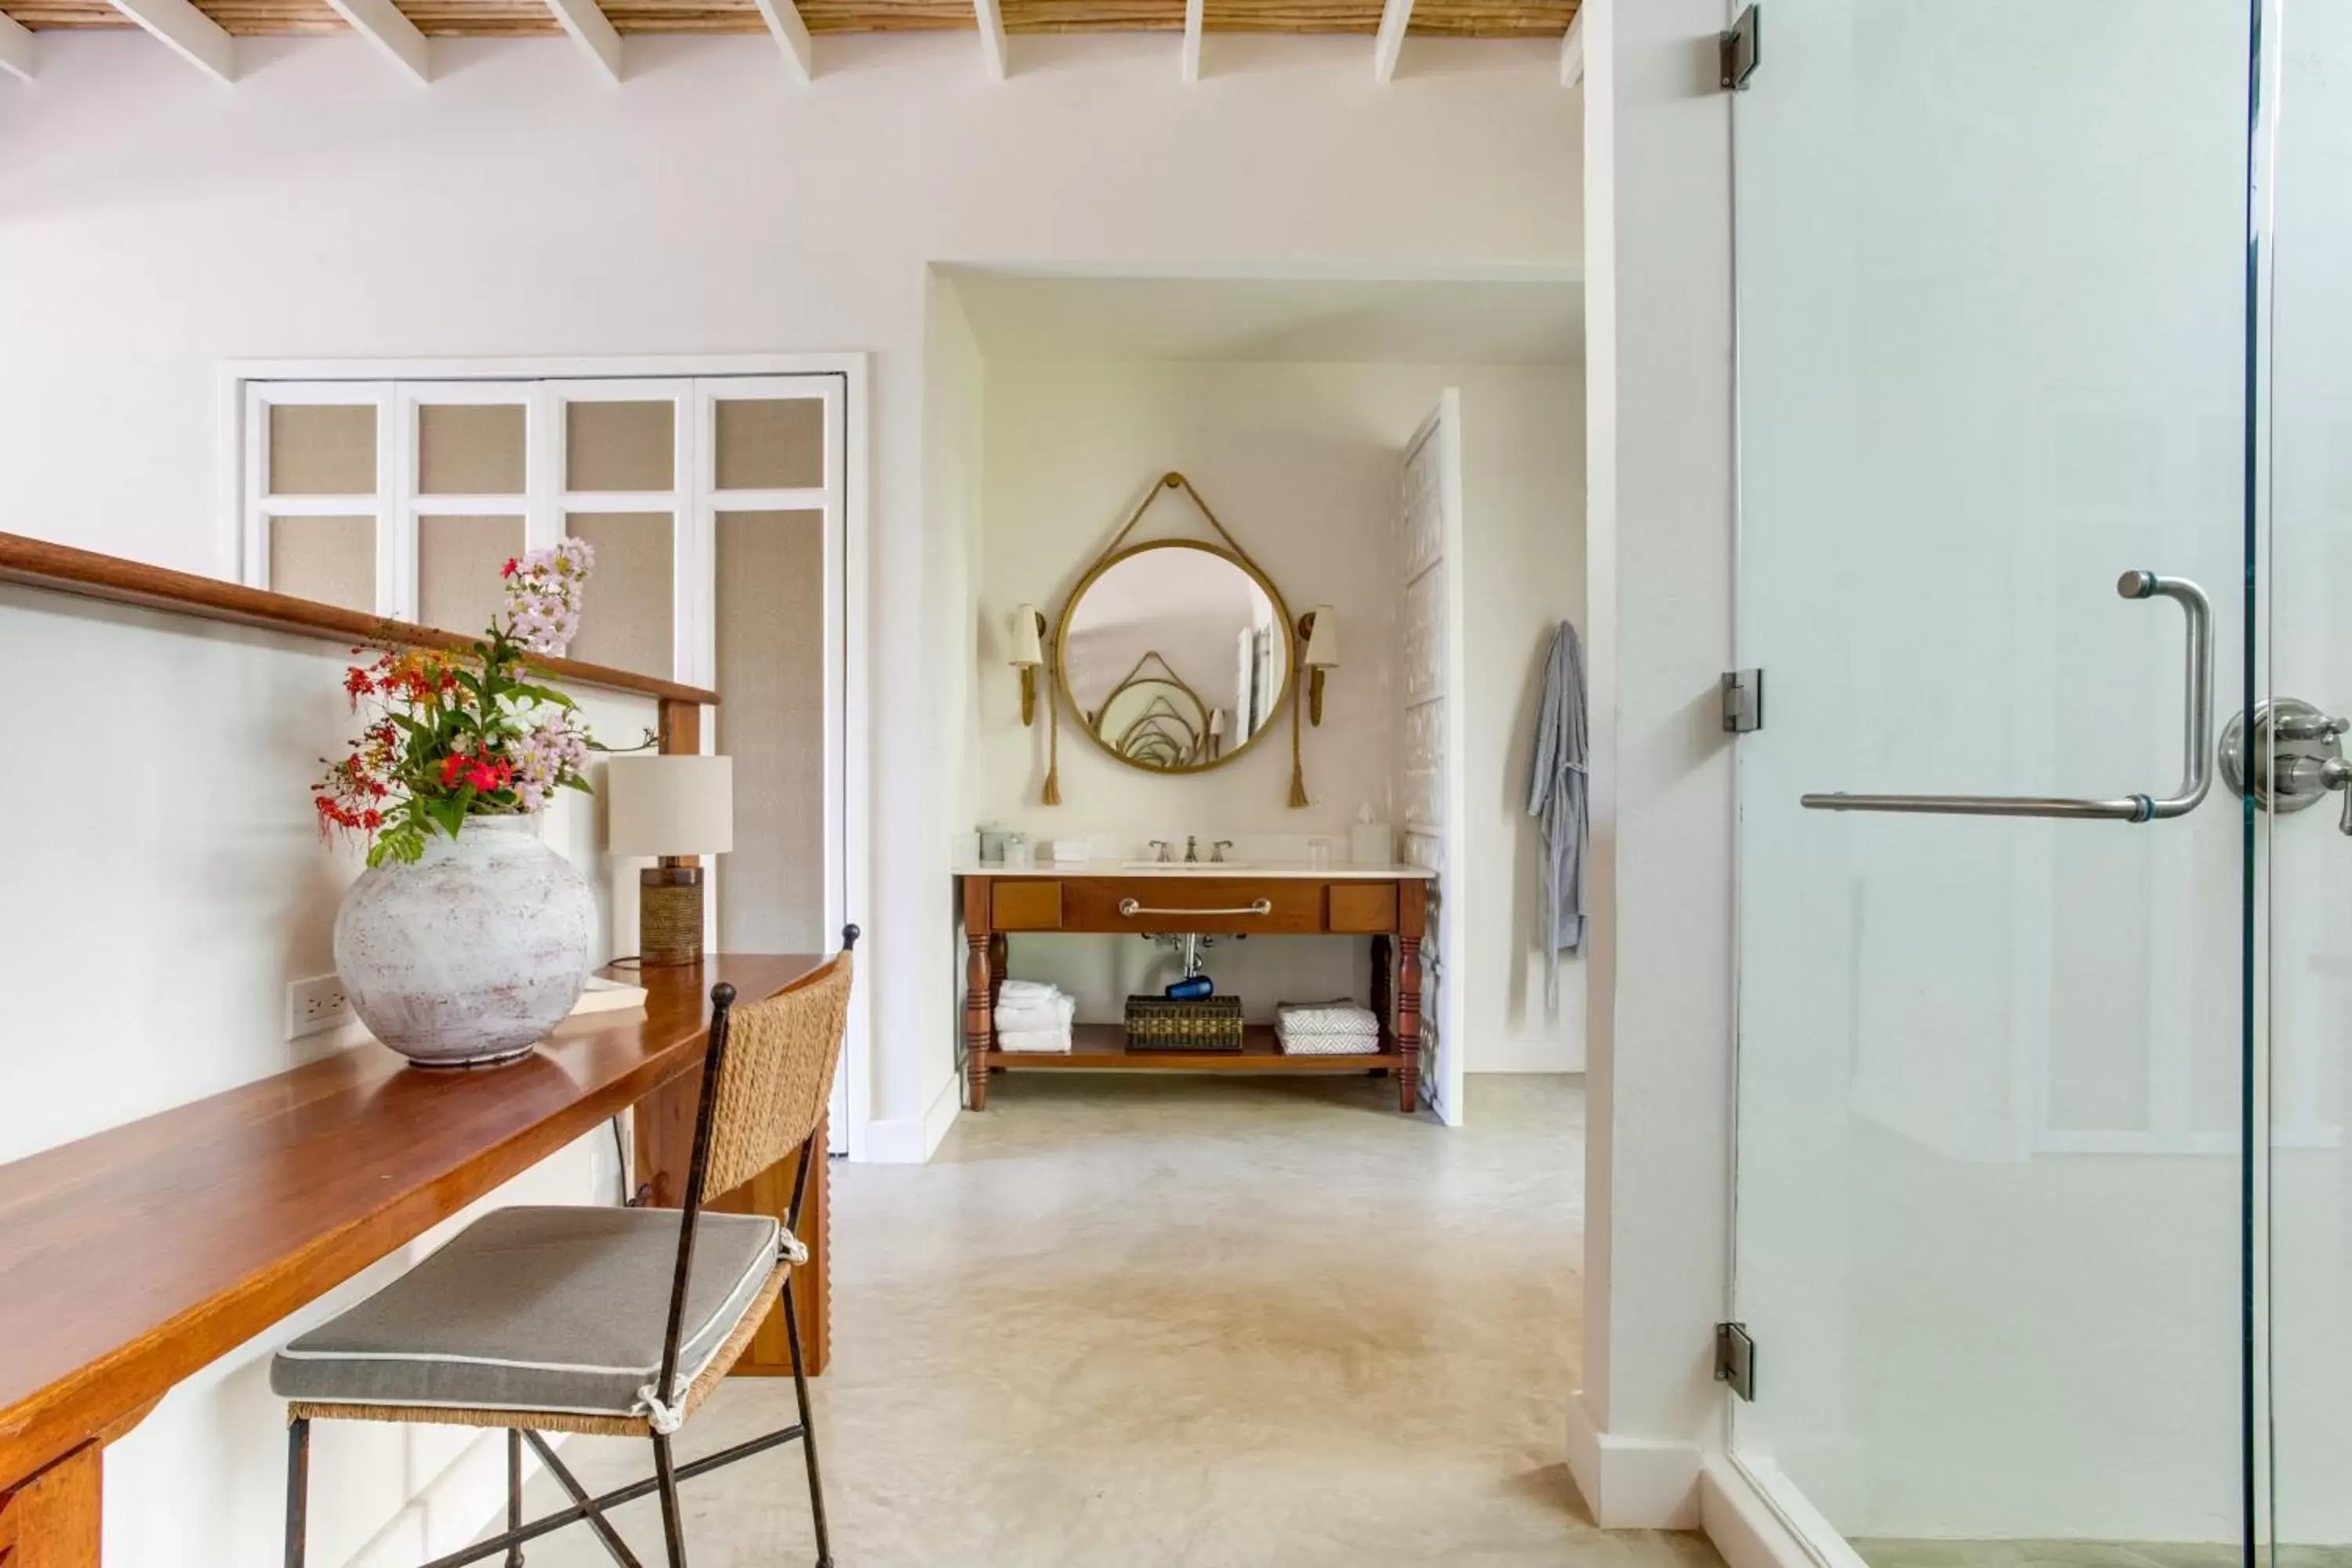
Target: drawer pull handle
x=1130, y=909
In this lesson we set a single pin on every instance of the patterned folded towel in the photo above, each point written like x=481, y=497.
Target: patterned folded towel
x=1326, y=1045
x=1343, y=1018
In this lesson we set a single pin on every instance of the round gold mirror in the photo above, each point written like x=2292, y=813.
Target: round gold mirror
x=1175, y=656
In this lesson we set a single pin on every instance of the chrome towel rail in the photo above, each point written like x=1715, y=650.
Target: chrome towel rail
x=1130, y=909
x=2197, y=753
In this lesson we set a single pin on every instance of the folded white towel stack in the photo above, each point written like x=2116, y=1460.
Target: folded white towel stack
x=1033, y=1017
x=1336, y=1028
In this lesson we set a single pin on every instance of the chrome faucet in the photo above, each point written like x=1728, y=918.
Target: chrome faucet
x=1159, y=847
x=1192, y=850
x=1217, y=850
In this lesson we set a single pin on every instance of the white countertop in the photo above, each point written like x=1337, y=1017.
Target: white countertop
x=1254, y=871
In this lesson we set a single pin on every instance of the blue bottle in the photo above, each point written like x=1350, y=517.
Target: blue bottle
x=1192, y=988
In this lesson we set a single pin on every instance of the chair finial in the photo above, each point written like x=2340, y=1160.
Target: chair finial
x=849, y=935
x=722, y=995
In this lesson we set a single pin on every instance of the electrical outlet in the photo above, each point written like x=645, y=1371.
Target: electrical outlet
x=316, y=1004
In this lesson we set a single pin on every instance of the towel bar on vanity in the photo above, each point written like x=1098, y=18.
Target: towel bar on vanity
x=1130, y=908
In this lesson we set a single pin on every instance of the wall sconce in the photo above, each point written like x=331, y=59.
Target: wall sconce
x=1216, y=732
x=1320, y=629
x=1028, y=656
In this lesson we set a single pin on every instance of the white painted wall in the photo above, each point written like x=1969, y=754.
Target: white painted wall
x=1301, y=462
x=1658, y=552
x=152, y=225
x=166, y=884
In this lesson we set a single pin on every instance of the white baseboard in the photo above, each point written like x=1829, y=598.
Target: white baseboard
x=1754, y=1526
x=911, y=1141
x=1632, y=1483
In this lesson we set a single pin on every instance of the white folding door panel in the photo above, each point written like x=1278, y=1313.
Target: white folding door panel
x=1429, y=794
x=769, y=500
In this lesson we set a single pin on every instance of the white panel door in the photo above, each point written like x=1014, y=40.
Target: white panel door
x=1429, y=557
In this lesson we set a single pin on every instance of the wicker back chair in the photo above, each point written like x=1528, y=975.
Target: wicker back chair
x=541, y=1320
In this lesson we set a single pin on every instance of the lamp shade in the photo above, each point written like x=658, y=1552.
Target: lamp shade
x=1323, y=642
x=671, y=804
x=1028, y=649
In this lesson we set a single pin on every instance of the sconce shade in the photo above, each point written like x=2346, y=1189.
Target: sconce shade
x=1323, y=642
x=1217, y=722
x=1028, y=647
x=671, y=804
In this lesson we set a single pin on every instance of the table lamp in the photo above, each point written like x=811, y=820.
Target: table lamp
x=676, y=807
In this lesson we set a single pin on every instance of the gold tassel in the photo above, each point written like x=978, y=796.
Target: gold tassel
x=1298, y=800
x=1052, y=796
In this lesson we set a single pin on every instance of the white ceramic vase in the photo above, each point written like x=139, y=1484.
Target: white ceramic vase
x=471, y=953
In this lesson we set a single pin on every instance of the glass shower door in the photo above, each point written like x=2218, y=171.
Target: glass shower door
x=1992, y=291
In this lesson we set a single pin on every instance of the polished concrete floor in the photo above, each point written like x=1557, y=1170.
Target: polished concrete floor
x=1121, y=1323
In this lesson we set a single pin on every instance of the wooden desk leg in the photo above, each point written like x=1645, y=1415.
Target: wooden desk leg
x=812, y=1283
x=665, y=1152
x=1383, y=983
x=1412, y=918
x=51, y=1520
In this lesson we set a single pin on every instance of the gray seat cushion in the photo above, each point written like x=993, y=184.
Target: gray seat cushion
x=538, y=1308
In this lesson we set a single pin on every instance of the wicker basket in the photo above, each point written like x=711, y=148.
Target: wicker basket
x=1200, y=1024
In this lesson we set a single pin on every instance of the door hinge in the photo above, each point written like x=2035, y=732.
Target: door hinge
x=1743, y=701
x=1734, y=1359
x=1740, y=50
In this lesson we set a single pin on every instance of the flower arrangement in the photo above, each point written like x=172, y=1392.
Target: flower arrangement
x=451, y=736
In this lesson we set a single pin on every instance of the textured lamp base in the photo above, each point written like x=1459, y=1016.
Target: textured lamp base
x=669, y=915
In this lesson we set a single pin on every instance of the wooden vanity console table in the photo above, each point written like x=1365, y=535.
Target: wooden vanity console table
x=1387, y=904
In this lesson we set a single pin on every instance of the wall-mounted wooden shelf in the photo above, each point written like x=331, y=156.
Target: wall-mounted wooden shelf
x=91, y=575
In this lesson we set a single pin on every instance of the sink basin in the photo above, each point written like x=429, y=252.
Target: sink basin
x=1193, y=868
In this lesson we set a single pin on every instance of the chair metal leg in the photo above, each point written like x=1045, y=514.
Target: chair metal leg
x=514, y=1493
x=808, y=1432
x=298, y=1489
x=665, y=1482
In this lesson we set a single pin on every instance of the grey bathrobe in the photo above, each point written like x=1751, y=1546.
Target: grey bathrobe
x=1555, y=795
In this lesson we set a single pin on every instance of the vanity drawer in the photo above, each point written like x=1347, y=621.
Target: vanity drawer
x=1213, y=905
x=1026, y=906
x=1365, y=908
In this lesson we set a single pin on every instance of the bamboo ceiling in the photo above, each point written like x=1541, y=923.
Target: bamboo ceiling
x=525, y=18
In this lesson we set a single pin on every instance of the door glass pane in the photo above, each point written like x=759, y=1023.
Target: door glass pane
x=771, y=679
x=619, y=446
x=321, y=449
x=328, y=558
x=460, y=565
x=627, y=615
x=1990, y=282
x=2305, y=583
x=469, y=449
x=770, y=443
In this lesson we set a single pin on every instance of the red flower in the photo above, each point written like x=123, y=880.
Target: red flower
x=452, y=766
x=510, y=569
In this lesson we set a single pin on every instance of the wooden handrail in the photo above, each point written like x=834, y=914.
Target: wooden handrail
x=94, y=576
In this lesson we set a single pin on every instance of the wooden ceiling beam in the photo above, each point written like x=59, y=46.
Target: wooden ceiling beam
x=1395, y=15
x=586, y=22
x=991, y=37
x=380, y=23
x=1571, y=53
x=1195, y=21
x=15, y=48
x=792, y=36
x=193, y=35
